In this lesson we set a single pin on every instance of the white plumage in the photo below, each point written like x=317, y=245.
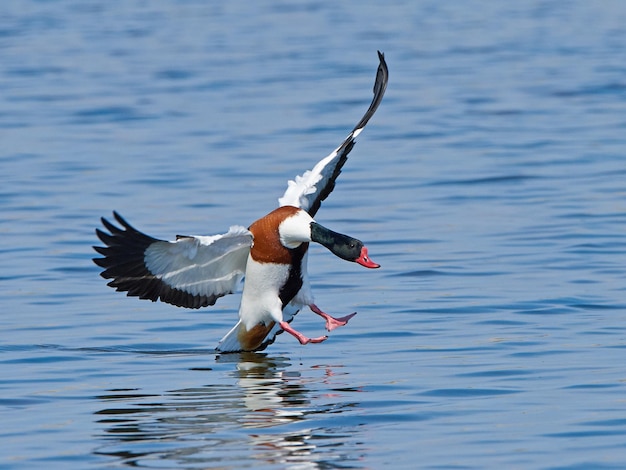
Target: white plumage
x=201, y=265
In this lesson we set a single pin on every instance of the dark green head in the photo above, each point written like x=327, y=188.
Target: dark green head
x=345, y=247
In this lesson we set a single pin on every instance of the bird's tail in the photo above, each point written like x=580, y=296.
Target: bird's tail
x=240, y=339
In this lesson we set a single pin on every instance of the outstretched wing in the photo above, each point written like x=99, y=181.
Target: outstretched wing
x=190, y=272
x=309, y=190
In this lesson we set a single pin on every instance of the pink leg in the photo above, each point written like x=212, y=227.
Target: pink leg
x=331, y=322
x=299, y=336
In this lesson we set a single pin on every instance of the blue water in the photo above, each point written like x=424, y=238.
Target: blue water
x=490, y=186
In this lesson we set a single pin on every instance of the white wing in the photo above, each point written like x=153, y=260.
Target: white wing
x=309, y=190
x=192, y=272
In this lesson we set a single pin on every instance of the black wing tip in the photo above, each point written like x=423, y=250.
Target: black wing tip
x=380, y=85
x=382, y=62
x=123, y=263
x=120, y=220
x=382, y=67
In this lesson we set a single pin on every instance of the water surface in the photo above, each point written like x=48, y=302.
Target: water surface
x=489, y=186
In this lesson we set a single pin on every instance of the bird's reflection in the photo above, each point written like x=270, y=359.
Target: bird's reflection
x=270, y=395
x=260, y=410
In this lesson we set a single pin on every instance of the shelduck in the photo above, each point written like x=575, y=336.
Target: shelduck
x=271, y=254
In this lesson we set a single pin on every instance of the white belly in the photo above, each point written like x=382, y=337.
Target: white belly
x=260, y=301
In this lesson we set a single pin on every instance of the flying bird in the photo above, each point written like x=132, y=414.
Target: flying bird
x=270, y=255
